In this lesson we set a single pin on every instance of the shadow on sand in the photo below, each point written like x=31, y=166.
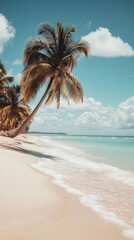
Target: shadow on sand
x=31, y=152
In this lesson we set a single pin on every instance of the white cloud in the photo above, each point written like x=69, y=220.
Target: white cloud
x=128, y=105
x=126, y=110
x=105, y=117
x=87, y=117
x=7, y=32
x=88, y=104
x=17, y=62
x=103, y=44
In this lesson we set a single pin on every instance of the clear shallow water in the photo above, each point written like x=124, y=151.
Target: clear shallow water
x=116, y=151
x=101, y=180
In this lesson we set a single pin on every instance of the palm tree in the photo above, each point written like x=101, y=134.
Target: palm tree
x=4, y=82
x=3, y=98
x=49, y=61
x=4, y=78
x=12, y=111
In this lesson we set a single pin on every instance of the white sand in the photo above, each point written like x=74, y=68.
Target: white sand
x=33, y=208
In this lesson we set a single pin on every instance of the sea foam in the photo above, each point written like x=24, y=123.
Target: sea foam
x=88, y=200
x=97, y=185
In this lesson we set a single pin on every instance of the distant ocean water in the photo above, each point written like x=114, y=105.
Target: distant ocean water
x=98, y=169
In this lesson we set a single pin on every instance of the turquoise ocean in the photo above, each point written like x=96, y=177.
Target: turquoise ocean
x=99, y=170
x=114, y=150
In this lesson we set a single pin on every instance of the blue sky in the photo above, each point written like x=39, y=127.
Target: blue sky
x=107, y=76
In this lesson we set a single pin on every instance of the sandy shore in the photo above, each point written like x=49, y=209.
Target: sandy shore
x=33, y=208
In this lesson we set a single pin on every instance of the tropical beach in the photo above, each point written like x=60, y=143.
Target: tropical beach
x=33, y=205
x=66, y=120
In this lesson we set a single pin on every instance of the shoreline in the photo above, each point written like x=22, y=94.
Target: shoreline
x=33, y=207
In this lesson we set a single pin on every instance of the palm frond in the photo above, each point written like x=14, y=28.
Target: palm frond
x=63, y=88
x=48, y=32
x=3, y=101
x=81, y=47
x=33, y=78
x=17, y=91
x=6, y=80
x=60, y=29
x=64, y=91
x=11, y=117
x=33, y=45
x=8, y=95
x=51, y=93
x=68, y=31
x=74, y=88
x=2, y=70
x=12, y=93
x=12, y=96
x=68, y=40
x=50, y=97
x=23, y=110
x=33, y=56
x=60, y=36
x=24, y=107
x=69, y=61
x=37, y=50
x=55, y=91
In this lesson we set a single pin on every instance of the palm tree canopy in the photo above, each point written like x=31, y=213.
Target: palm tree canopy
x=4, y=78
x=12, y=111
x=2, y=70
x=9, y=95
x=49, y=60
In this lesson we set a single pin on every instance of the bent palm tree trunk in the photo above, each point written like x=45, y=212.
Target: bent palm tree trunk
x=21, y=129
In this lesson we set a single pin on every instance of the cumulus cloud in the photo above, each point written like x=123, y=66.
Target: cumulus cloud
x=108, y=117
x=104, y=44
x=7, y=32
x=88, y=104
x=126, y=111
x=89, y=116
